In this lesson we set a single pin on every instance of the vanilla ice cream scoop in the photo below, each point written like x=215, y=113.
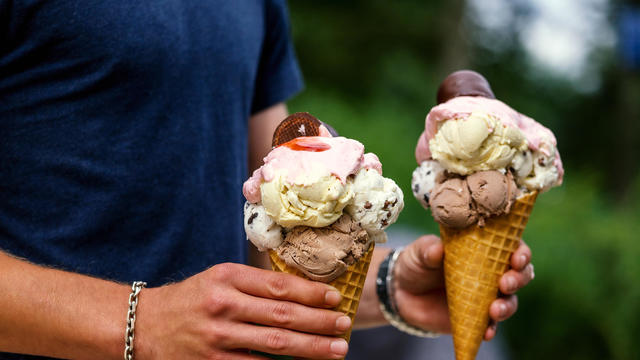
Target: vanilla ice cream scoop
x=377, y=203
x=476, y=143
x=317, y=204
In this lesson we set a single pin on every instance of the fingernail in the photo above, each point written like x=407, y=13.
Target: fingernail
x=339, y=347
x=343, y=323
x=332, y=297
x=502, y=309
x=511, y=284
x=533, y=274
x=523, y=260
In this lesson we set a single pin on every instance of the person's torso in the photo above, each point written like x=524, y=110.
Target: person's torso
x=123, y=133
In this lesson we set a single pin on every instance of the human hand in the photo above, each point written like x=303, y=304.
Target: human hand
x=230, y=309
x=420, y=292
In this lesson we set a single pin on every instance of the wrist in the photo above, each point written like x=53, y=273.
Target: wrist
x=129, y=336
x=146, y=322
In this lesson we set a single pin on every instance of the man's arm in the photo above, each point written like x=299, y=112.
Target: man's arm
x=54, y=313
x=213, y=314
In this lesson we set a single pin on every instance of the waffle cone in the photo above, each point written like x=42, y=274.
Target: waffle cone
x=350, y=284
x=475, y=259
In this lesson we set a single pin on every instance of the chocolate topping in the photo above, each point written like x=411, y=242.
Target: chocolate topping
x=297, y=125
x=464, y=83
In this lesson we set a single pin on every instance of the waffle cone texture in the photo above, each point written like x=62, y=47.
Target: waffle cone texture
x=350, y=284
x=475, y=258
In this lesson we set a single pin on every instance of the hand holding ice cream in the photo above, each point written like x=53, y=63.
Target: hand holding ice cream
x=318, y=205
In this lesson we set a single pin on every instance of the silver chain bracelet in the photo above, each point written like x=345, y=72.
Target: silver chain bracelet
x=136, y=287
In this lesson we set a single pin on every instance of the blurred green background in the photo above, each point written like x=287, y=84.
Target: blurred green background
x=372, y=69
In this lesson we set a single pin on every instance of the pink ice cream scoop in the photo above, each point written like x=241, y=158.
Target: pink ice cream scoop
x=304, y=158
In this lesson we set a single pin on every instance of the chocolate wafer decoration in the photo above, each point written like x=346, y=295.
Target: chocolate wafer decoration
x=298, y=125
x=464, y=83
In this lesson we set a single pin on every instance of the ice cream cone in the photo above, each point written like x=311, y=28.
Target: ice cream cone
x=350, y=284
x=475, y=259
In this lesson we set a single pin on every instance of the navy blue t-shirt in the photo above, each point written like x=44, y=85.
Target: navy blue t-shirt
x=123, y=129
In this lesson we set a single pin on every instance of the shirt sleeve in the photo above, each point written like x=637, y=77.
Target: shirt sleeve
x=278, y=77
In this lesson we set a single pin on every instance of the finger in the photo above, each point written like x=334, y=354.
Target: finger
x=429, y=252
x=285, y=342
x=419, y=267
x=290, y=315
x=492, y=330
x=281, y=286
x=513, y=280
x=521, y=257
x=503, y=308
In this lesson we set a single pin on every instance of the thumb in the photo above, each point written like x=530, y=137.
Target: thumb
x=419, y=267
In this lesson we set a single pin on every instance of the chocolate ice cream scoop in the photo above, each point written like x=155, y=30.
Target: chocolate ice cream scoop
x=464, y=83
x=323, y=254
x=451, y=204
x=493, y=193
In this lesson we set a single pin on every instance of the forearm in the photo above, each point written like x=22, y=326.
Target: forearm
x=54, y=313
x=369, y=314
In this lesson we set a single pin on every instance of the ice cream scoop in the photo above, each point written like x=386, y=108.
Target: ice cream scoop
x=460, y=202
x=260, y=228
x=377, y=203
x=451, y=204
x=317, y=202
x=545, y=173
x=324, y=253
x=475, y=143
x=522, y=164
x=424, y=179
x=492, y=192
